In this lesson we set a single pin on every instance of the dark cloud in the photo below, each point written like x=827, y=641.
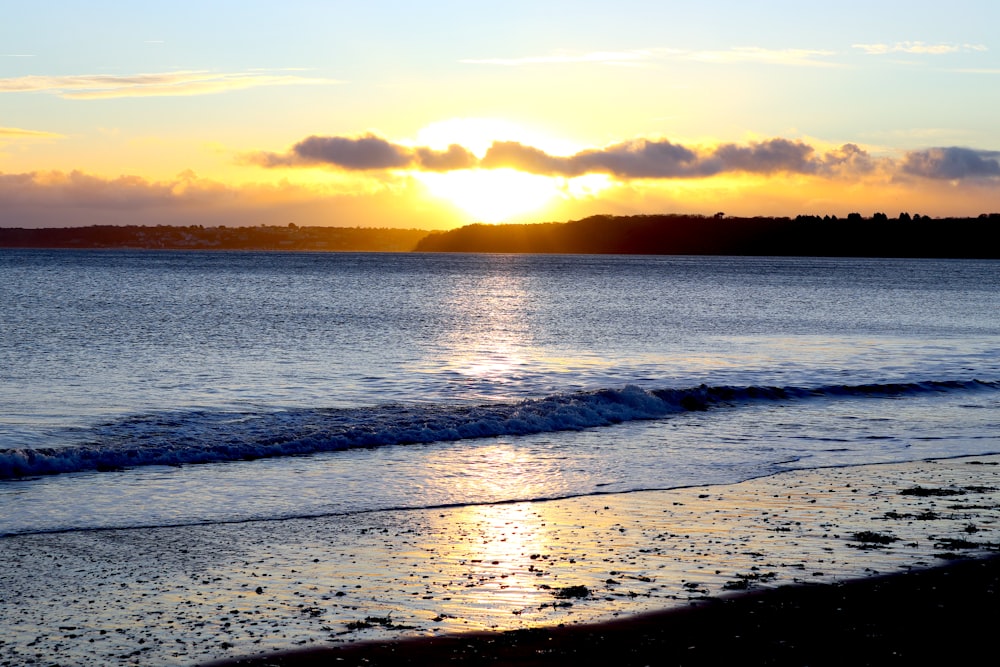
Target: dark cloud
x=527, y=158
x=850, y=158
x=767, y=157
x=364, y=154
x=367, y=152
x=952, y=163
x=640, y=159
x=456, y=157
x=664, y=159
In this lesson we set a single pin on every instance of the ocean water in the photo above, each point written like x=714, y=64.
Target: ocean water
x=142, y=388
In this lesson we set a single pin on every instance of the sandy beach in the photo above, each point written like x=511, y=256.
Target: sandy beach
x=201, y=594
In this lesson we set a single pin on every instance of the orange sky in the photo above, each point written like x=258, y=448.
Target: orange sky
x=444, y=114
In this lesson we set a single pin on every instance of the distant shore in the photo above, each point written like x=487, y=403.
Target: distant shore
x=813, y=236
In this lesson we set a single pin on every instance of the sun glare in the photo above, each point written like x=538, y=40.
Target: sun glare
x=492, y=195
x=478, y=134
x=497, y=195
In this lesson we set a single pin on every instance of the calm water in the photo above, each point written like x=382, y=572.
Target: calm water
x=155, y=388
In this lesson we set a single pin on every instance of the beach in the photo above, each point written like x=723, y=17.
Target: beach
x=199, y=594
x=944, y=614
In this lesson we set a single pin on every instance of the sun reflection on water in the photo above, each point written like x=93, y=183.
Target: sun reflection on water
x=497, y=555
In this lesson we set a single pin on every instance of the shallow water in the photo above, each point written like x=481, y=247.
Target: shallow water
x=365, y=382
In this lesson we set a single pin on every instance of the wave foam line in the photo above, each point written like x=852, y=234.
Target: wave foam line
x=178, y=438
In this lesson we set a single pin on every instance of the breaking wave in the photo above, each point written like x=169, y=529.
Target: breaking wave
x=198, y=436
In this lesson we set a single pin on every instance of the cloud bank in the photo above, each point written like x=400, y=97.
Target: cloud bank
x=648, y=159
x=639, y=159
x=76, y=198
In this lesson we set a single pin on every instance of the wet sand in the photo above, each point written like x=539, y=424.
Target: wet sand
x=190, y=595
x=941, y=615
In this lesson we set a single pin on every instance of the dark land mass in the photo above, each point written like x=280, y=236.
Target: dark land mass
x=672, y=234
x=291, y=238
x=878, y=236
x=942, y=616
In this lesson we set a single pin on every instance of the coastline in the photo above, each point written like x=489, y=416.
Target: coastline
x=200, y=594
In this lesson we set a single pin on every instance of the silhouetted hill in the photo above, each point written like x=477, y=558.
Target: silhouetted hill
x=854, y=236
x=216, y=238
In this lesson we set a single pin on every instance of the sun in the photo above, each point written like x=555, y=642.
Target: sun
x=491, y=195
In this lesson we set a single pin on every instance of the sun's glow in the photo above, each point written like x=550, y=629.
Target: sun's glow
x=588, y=185
x=478, y=134
x=492, y=195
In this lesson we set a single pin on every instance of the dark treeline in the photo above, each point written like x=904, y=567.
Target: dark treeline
x=854, y=236
x=216, y=238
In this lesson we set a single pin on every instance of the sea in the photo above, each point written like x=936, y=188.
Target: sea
x=161, y=388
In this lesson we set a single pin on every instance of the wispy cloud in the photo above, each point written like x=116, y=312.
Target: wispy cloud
x=753, y=54
x=921, y=48
x=18, y=132
x=634, y=57
x=976, y=70
x=631, y=57
x=163, y=84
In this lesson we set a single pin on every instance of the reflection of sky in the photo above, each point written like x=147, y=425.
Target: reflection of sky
x=497, y=552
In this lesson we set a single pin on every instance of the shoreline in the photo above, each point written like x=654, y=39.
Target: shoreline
x=201, y=594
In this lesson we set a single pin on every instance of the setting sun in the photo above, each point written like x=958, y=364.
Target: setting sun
x=492, y=195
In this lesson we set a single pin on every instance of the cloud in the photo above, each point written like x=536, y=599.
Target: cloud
x=18, y=133
x=368, y=152
x=455, y=157
x=752, y=54
x=952, y=163
x=76, y=198
x=640, y=159
x=662, y=159
x=178, y=83
x=634, y=57
x=917, y=48
x=515, y=155
x=976, y=70
x=601, y=57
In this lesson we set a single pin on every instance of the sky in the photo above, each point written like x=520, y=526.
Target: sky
x=436, y=114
